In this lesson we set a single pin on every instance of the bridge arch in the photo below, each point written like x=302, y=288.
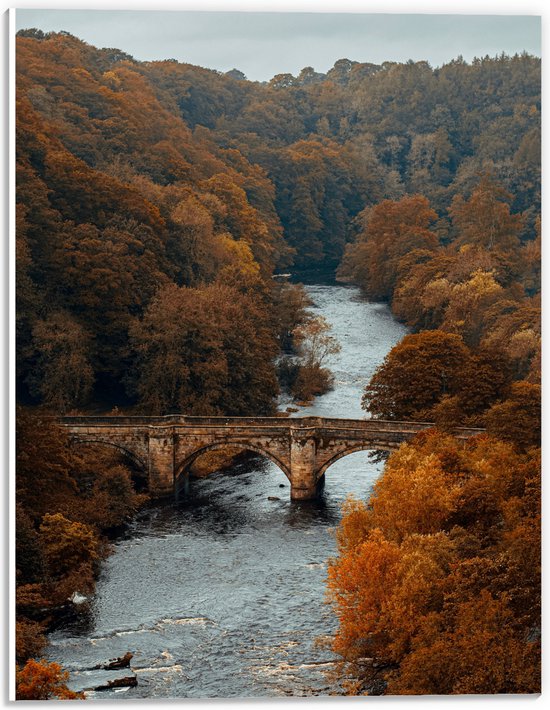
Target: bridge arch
x=133, y=457
x=351, y=450
x=183, y=465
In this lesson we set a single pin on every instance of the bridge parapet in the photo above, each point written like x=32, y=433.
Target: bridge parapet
x=279, y=422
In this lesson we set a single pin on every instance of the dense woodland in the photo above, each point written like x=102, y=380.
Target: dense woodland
x=437, y=583
x=155, y=202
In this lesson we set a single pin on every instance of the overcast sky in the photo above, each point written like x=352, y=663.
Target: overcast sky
x=264, y=44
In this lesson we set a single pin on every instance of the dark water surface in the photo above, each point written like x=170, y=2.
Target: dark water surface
x=222, y=594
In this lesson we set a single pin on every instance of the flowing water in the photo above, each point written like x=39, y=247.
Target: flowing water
x=222, y=594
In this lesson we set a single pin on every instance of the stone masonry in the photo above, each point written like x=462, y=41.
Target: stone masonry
x=302, y=447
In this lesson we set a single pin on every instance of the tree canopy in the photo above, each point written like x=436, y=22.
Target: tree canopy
x=134, y=175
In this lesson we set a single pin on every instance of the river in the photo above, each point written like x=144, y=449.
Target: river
x=222, y=594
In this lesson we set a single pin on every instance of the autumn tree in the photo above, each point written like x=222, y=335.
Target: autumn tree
x=66, y=496
x=39, y=680
x=516, y=331
x=191, y=356
x=531, y=255
x=465, y=304
x=191, y=239
x=314, y=343
x=315, y=346
x=30, y=639
x=486, y=379
x=415, y=374
x=290, y=303
x=421, y=293
x=29, y=559
x=242, y=221
x=44, y=461
x=63, y=376
x=66, y=544
x=106, y=482
x=518, y=418
x=155, y=201
x=434, y=376
x=429, y=586
x=478, y=652
x=391, y=230
x=132, y=176
x=485, y=218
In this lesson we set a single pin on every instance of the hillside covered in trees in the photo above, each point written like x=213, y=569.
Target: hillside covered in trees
x=144, y=186
x=155, y=203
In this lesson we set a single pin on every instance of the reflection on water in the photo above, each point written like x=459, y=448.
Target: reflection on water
x=222, y=593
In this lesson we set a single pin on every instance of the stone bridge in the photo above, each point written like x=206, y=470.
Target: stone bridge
x=302, y=447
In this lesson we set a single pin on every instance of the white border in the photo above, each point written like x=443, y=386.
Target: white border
x=471, y=7
x=465, y=7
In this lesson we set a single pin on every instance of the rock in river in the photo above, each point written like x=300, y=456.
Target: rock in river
x=101, y=680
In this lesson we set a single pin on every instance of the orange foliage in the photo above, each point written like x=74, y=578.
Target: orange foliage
x=191, y=355
x=477, y=650
x=415, y=495
x=152, y=202
x=440, y=593
x=65, y=497
x=391, y=230
x=485, y=218
x=43, y=681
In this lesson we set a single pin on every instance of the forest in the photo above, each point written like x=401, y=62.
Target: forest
x=156, y=201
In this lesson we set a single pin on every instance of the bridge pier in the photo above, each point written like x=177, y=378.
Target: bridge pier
x=161, y=464
x=303, y=483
